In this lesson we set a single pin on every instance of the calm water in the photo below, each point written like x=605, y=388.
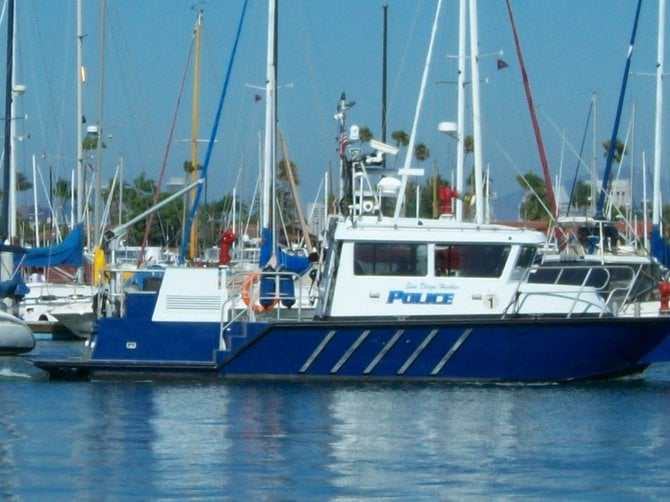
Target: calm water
x=266, y=441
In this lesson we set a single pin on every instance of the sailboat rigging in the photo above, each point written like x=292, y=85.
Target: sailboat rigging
x=615, y=131
x=210, y=145
x=533, y=116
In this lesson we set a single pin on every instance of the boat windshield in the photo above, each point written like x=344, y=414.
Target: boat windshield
x=395, y=259
x=470, y=260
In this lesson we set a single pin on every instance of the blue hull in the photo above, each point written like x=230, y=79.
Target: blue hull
x=516, y=350
x=660, y=354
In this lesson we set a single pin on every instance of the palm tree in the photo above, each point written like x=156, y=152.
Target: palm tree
x=22, y=183
x=535, y=200
x=619, y=150
x=421, y=152
x=468, y=144
x=582, y=196
x=62, y=192
x=90, y=142
x=401, y=139
x=365, y=134
x=188, y=167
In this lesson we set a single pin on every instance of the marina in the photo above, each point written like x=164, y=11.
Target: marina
x=305, y=302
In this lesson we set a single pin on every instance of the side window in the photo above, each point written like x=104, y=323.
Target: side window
x=470, y=260
x=397, y=259
x=447, y=260
x=524, y=261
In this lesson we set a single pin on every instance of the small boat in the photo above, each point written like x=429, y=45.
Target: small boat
x=43, y=299
x=16, y=337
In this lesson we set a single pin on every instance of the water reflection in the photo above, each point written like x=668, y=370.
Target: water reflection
x=270, y=441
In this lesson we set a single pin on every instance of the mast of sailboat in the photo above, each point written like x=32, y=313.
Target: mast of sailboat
x=406, y=171
x=476, y=113
x=460, y=110
x=212, y=137
x=97, y=221
x=193, y=244
x=384, y=74
x=270, y=123
x=533, y=116
x=615, y=130
x=81, y=78
x=5, y=225
x=658, y=246
x=17, y=90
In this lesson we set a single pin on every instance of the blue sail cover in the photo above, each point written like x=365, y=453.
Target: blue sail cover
x=68, y=252
x=659, y=248
x=285, y=261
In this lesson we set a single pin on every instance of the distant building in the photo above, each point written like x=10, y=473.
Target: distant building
x=175, y=183
x=620, y=194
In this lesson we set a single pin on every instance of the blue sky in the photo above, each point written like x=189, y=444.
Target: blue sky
x=574, y=49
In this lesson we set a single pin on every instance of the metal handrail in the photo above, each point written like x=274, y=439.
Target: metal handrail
x=583, y=284
x=232, y=303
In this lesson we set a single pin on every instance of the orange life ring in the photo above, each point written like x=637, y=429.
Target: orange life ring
x=249, y=280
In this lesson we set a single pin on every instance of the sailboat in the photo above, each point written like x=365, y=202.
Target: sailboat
x=15, y=335
x=588, y=249
x=62, y=309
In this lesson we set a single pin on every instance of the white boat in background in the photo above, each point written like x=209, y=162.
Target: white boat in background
x=16, y=337
x=76, y=317
x=41, y=296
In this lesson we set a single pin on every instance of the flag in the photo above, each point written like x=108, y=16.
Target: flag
x=257, y=97
x=501, y=64
x=343, y=144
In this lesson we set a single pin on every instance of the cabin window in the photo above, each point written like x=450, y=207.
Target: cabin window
x=395, y=259
x=470, y=260
x=524, y=261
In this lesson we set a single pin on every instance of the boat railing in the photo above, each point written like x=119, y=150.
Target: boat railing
x=621, y=290
x=267, y=295
x=614, y=283
x=110, y=300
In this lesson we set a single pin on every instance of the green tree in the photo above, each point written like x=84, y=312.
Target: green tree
x=365, y=134
x=188, y=166
x=581, y=199
x=421, y=152
x=468, y=144
x=61, y=191
x=535, y=198
x=619, y=150
x=22, y=183
x=400, y=137
x=425, y=200
x=90, y=142
x=166, y=228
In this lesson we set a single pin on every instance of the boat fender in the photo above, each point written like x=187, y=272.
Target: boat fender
x=249, y=281
x=286, y=288
x=664, y=290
